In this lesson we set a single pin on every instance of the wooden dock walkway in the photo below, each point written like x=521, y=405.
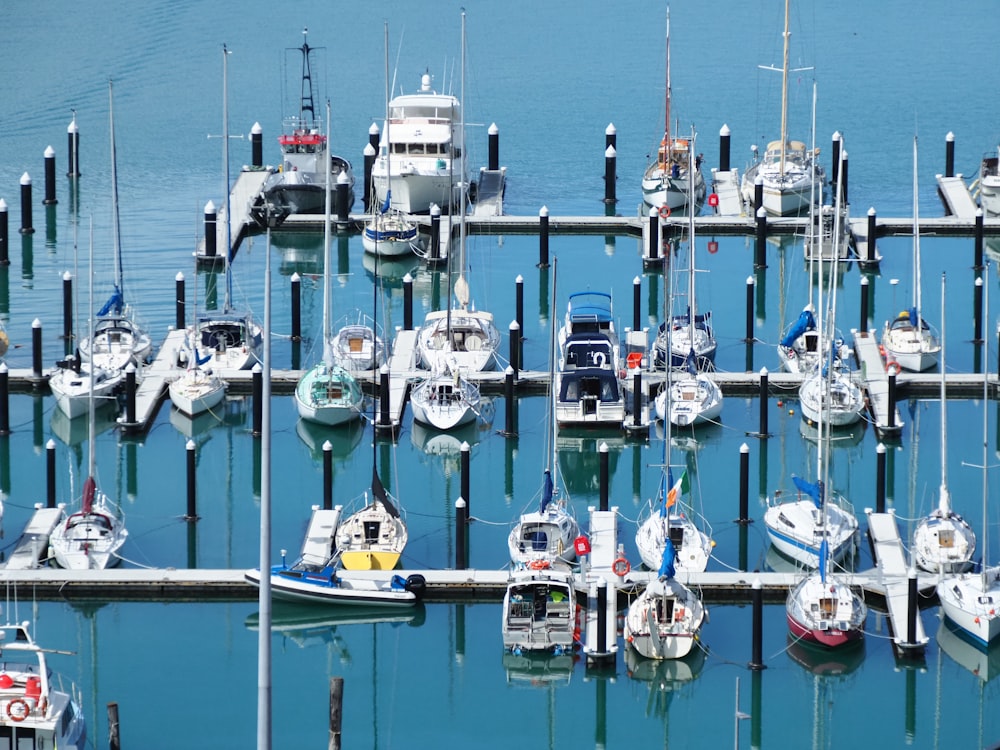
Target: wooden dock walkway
x=402, y=364
x=726, y=185
x=33, y=546
x=893, y=576
x=955, y=196
x=242, y=197
x=875, y=381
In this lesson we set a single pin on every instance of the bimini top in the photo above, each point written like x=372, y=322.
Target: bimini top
x=589, y=307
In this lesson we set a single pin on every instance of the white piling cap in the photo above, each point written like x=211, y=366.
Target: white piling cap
x=50, y=445
x=724, y=130
x=210, y=208
x=189, y=445
x=50, y=152
x=67, y=276
x=26, y=179
x=493, y=130
x=327, y=446
x=256, y=129
x=544, y=211
x=179, y=276
x=369, y=150
x=610, y=153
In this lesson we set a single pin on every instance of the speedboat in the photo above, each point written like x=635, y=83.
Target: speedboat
x=589, y=317
x=589, y=397
x=38, y=713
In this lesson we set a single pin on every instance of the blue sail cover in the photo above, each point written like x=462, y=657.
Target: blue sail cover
x=815, y=491
x=667, y=569
x=824, y=552
x=388, y=201
x=806, y=322
x=199, y=361
x=547, y=490
x=115, y=302
x=692, y=365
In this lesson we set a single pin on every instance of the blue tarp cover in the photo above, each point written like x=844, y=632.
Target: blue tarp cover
x=806, y=322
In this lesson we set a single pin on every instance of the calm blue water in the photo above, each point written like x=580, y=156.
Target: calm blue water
x=883, y=74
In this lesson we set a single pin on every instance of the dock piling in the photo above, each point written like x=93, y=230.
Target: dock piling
x=949, y=155
x=493, y=146
x=258, y=399
x=407, y=302
x=510, y=404
x=977, y=262
x=4, y=399
x=519, y=316
x=73, y=147
x=211, y=230
x=654, y=237
x=67, y=290
x=435, y=253
x=603, y=476
x=750, y=317
x=872, y=234
x=26, y=227
x=50, y=177
x=514, y=346
x=4, y=233
x=744, y=517
x=342, y=194
x=192, y=483
x=863, y=315
x=763, y=395
x=725, y=138
x=891, y=417
x=336, y=711
x=911, y=608
x=50, y=474
x=977, y=310
x=880, y=478
x=637, y=405
x=114, y=735
x=36, y=349
x=296, y=305
x=130, y=394
x=543, y=237
x=384, y=421
x=257, y=145
x=610, y=164
x=636, y=304
x=465, y=474
x=461, y=527
x=368, y=154
x=179, y=301
x=760, y=247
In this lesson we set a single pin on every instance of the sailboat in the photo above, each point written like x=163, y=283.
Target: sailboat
x=460, y=338
x=823, y=609
x=972, y=600
x=308, y=169
x=117, y=340
x=664, y=620
x=389, y=232
x=989, y=184
x=671, y=518
x=788, y=168
x=199, y=389
x=233, y=339
x=544, y=537
x=909, y=340
x=327, y=393
x=358, y=346
x=90, y=538
x=828, y=395
x=690, y=397
x=943, y=541
x=665, y=183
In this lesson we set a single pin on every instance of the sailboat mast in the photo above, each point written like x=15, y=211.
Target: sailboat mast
x=666, y=122
x=784, y=90
x=986, y=395
x=91, y=426
x=944, y=501
x=327, y=302
x=916, y=249
x=692, y=307
x=463, y=295
x=115, y=222
x=551, y=432
x=225, y=167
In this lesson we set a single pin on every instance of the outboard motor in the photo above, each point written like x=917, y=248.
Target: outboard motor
x=416, y=584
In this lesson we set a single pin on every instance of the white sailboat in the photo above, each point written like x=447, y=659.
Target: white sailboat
x=358, y=346
x=460, y=338
x=545, y=537
x=199, y=389
x=91, y=537
x=972, y=600
x=232, y=338
x=327, y=393
x=943, y=541
x=989, y=184
x=664, y=620
x=389, y=232
x=665, y=183
x=117, y=339
x=788, y=168
x=908, y=339
x=670, y=517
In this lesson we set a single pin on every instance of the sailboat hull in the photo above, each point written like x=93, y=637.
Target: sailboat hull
x=973, y=608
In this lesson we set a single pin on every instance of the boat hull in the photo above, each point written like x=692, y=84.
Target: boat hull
x=326, y=589
x=194, y=394
x=830, y=638
x=973, y=609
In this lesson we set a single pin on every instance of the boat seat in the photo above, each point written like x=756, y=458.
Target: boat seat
x=356, y=344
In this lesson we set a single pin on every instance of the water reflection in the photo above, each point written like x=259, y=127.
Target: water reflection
x=580, y=459
x=664, y=676
x=539, y=670
x=343, y=438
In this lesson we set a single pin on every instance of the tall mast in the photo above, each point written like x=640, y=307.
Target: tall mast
x=666, y=123
x=986, y=395
x=784, y=90
x=944, y=499
x=225, y=166
x=916, y=248
x=327, y=303
x=462, y=286
x=115, y=222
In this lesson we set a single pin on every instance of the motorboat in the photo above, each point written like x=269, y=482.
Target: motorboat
x=589, y=397
x=540, y=613
x=39, y=712
x=989, y=185
x=309, y=171
x=589, y=318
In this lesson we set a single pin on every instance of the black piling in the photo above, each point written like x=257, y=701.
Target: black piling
x=514, y=346
x=435, y=254
x=384, y=421
x=724, y=146
x=50, y=177
x=844, y=172
x=757, y=602
x=296, y=304
x=977, y=311
x=750, y=298
x=493, y=136
x=407, y=302
x=543, y=238
x=863, y=322
x=949, y=155
x=744, y=517
x=192, y=483
x=602, y=616
x=461, y=528
x=4, y=399
x=342, y=194
x=369, y=158
x=180, y=295
x=763, y=395
x=67, y=290
x=637, y=405
x=257, y=146
x=835, y=141
x=36, y=349
x=257, y=380
x=327, y=475
x=653, y=241
x=610, y=159
x=211, y=232
x=465, y=474
x=911, y=608
x=510, y=404
x=880, y=478
x=130, y=385
x=519, y=315
x=636, y=304
x=892, y=400
x=73, y=148
x=872, y=258
x=50, y=474
x=4, y=234
x=26, y=227
x=758, y=194
x=760, y=246
x=603, y=476
x=977, y=255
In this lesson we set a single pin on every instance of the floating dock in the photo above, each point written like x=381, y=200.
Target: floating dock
x=241, y=224
x=32, y=548
x=875, y=381
x=955, y=196
x=893, y=576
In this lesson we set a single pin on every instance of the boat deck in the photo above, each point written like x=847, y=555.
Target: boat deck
x=875, y=382
x=892, y=575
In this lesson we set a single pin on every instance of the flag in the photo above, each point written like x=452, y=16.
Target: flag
x=683, y=486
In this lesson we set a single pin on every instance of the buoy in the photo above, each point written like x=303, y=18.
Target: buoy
x=791, y=412
x=713, y=200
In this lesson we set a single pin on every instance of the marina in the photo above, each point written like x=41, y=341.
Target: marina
x=549, y=188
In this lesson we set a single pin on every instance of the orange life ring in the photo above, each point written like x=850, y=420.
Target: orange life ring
x=538, y=564
x=664, y=211
x=893, y=364
x=22, y=712
x=620, y=567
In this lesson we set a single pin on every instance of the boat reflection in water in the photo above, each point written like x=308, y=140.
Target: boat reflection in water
x=301, y=252
x=664, y=676
x=447, y=445
x=232, y=412
x=580, y=458
x=539, y=669
x=73, y=432
x=305, y=625
x=983, y=664
x=826, y=662
x=343, y=438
